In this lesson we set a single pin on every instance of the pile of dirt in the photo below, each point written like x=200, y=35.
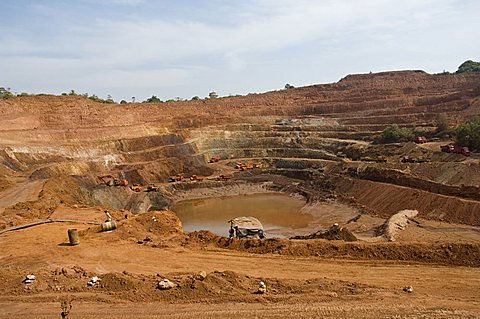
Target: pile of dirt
x=461, y=254
x=333, y=233
x=396, y=223
x=214, y=287
x=153, y=228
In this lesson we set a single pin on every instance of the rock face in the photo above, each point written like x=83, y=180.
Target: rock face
x=70, y=140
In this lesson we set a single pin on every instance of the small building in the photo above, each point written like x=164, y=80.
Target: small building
x=213, y=95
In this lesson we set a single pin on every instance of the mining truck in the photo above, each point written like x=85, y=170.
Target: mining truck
x=246, y=227
x=215, y=159
x=450, y=148
x=176, y=178
x=136, y=188
x=196, y=178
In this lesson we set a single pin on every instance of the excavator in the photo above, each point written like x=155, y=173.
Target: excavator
x=110, y=180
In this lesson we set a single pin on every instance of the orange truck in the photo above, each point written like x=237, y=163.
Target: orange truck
x=196, y=178
x=136, y=188
x=215, y=159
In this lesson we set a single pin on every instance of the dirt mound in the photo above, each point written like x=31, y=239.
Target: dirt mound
x=214, y=287
x=396, y=223
x=152, y=228
x=334, y=233
x=444, y=254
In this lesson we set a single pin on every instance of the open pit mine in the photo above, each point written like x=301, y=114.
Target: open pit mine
x=132, y=210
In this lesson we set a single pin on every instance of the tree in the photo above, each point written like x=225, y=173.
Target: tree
x=289, y=86
x=469, y=66
x=395, y=134
x=123, y=102
x=468, y=134
x=153, y=99
x=442, y=125
x=195, y=98
x=5, y=93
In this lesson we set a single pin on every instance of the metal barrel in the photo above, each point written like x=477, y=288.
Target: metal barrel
x=73, y=237
x=111, y=225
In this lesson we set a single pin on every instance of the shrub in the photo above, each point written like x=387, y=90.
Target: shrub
x=469, y=66
x=394, y=134
x=153, y=99
x=5, y=93
x=288, y=86
x=468, y=134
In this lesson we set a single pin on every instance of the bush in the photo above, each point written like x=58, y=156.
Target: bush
x=394, y=134
x=288, y=86
x=469, y=66
x=153, y=99
x=5, y=93
x=468, y=134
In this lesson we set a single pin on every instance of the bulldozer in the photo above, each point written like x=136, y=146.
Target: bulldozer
x=110, y=180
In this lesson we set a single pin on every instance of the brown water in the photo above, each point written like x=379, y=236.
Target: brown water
x=278, y=213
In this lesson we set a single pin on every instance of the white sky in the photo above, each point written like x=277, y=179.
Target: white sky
x=185, y=48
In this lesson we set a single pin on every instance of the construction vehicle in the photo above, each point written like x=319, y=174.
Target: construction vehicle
x=151, y=188
x=224, y=177
x=136, y=188
x=246, y=227
x=196, y=178
x=110, y=180
x=450, y=148
x=215, y=159
x=176, y=178
x=244, y=167
x=420, y=140
x=408, y=159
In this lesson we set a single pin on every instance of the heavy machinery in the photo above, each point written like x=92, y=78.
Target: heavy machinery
x=224, y=178
x=246, y=227
x=196, y=178
x=151, y=188
x=244, y=167
x=450, y=148
x=420, y=140
x=110, y=180
x=136, y=188
x=176, y=178
x=215, y=159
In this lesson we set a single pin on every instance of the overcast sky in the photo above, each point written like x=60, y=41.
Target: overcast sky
x=183, y=48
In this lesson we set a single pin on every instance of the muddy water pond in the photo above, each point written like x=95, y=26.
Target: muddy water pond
x=280, y=214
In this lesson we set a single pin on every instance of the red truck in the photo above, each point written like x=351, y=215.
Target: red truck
x=420, y=140
x=450, y=148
